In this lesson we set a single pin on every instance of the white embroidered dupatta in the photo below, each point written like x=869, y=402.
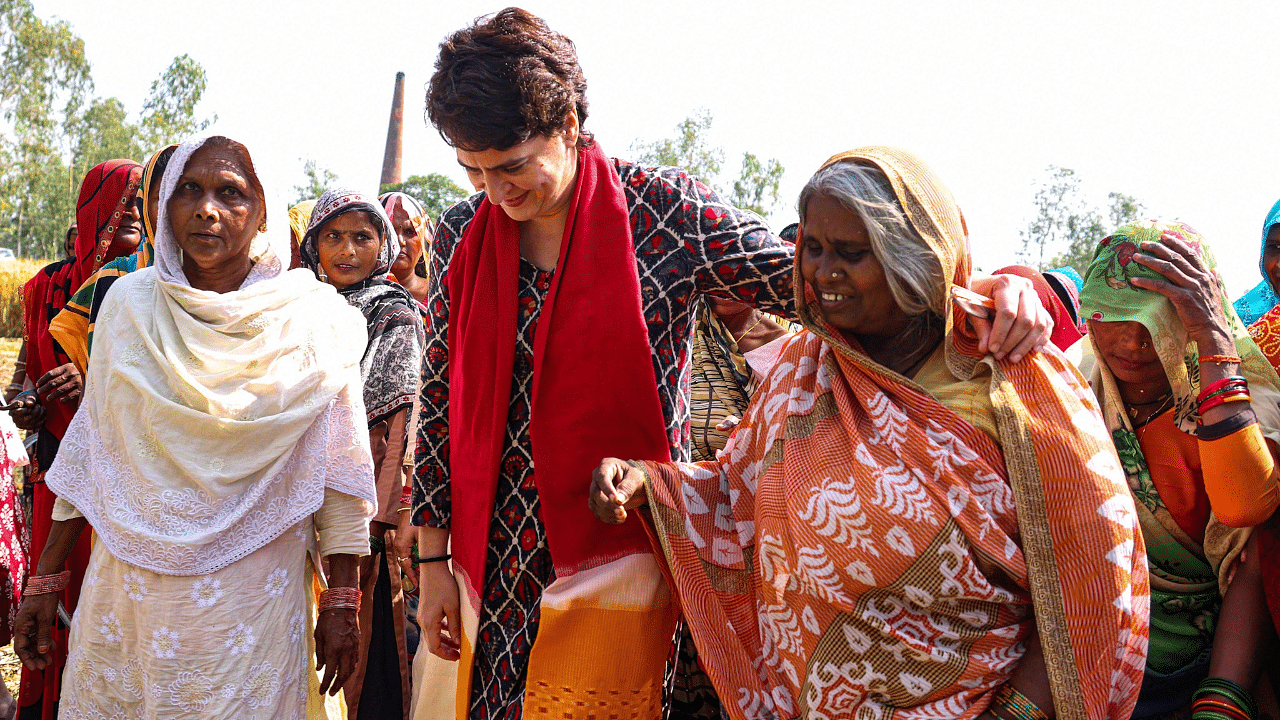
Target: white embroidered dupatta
x=210, y=421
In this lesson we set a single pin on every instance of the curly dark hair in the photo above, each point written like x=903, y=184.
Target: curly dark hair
x=503, y=80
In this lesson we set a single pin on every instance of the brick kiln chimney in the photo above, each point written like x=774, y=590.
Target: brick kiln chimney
x=395, y=131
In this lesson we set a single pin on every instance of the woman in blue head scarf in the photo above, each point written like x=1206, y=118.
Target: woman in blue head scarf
x=1255, y=303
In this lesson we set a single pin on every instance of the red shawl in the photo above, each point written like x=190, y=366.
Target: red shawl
x=594, y=393
x=104, y=195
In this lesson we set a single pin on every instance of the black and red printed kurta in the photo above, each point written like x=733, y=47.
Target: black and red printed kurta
x=687, y=242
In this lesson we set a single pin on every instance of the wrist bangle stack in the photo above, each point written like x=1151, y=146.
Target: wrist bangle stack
x=42, y=584
x=1239, y=703
x=340, y=598
x=1009, y=704
x=1234, y=388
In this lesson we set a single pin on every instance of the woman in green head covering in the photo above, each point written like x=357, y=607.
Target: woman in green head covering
x=1192, y=406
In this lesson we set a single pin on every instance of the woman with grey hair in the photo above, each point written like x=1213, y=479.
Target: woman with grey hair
x=900, y=525
x=219, y=452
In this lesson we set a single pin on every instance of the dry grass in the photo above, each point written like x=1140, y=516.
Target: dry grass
x=10, y=668
x=9, y=347
x=13, y=275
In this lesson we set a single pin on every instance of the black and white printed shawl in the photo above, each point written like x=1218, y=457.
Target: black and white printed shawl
x=393, y=358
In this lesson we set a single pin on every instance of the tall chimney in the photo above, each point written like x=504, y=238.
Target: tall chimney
x=395, y=130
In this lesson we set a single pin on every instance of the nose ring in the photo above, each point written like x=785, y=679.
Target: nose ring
x=835, y=274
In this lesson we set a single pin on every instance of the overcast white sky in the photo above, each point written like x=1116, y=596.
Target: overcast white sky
x=1172, y=102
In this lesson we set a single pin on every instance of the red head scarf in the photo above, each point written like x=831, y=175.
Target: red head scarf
x=106, y=192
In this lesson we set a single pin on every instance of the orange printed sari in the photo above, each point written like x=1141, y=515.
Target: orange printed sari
x=861, y=550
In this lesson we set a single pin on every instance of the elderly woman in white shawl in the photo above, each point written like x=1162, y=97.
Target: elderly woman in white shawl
x=219, y=451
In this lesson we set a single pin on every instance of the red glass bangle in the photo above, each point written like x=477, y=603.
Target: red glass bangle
x=340, y=598
x=1220, y=359
x=41, y=584
x=1221, y=384
x=1221, y=706
x=1214, y=402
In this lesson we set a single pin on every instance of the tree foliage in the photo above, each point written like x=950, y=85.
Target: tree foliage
x=170, y=110
x=756, y=186
x=1066, y=228
x=56, y=131
x=44, y=77
x=689, y=149
x=318, y=181
x=436, y=192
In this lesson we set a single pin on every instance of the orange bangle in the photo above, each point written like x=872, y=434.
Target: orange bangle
x=1220, y=359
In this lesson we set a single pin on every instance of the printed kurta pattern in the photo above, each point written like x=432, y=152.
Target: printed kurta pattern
x=856, y=549
x=519, y=564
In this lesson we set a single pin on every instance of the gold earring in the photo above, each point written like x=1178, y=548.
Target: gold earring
x=263, y=227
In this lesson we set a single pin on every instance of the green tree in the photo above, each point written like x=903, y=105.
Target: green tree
x=1123, y=210
x=43, y=72
x=1061, y=218
x=318, y=181
x=1066, y=228
x=689, y=149
x=56, y=130
x=435, y=191
x=169, y=114
x=102, y=132
x=1084, y=237
x=755, y=188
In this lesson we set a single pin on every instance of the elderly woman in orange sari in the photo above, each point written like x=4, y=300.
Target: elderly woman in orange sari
x=900, y=526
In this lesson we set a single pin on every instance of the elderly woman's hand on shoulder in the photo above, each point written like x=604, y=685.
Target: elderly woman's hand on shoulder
x=614, y=486
x=1020, y=323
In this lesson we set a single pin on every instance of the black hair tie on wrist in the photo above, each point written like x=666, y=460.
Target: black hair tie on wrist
x=438, y=558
